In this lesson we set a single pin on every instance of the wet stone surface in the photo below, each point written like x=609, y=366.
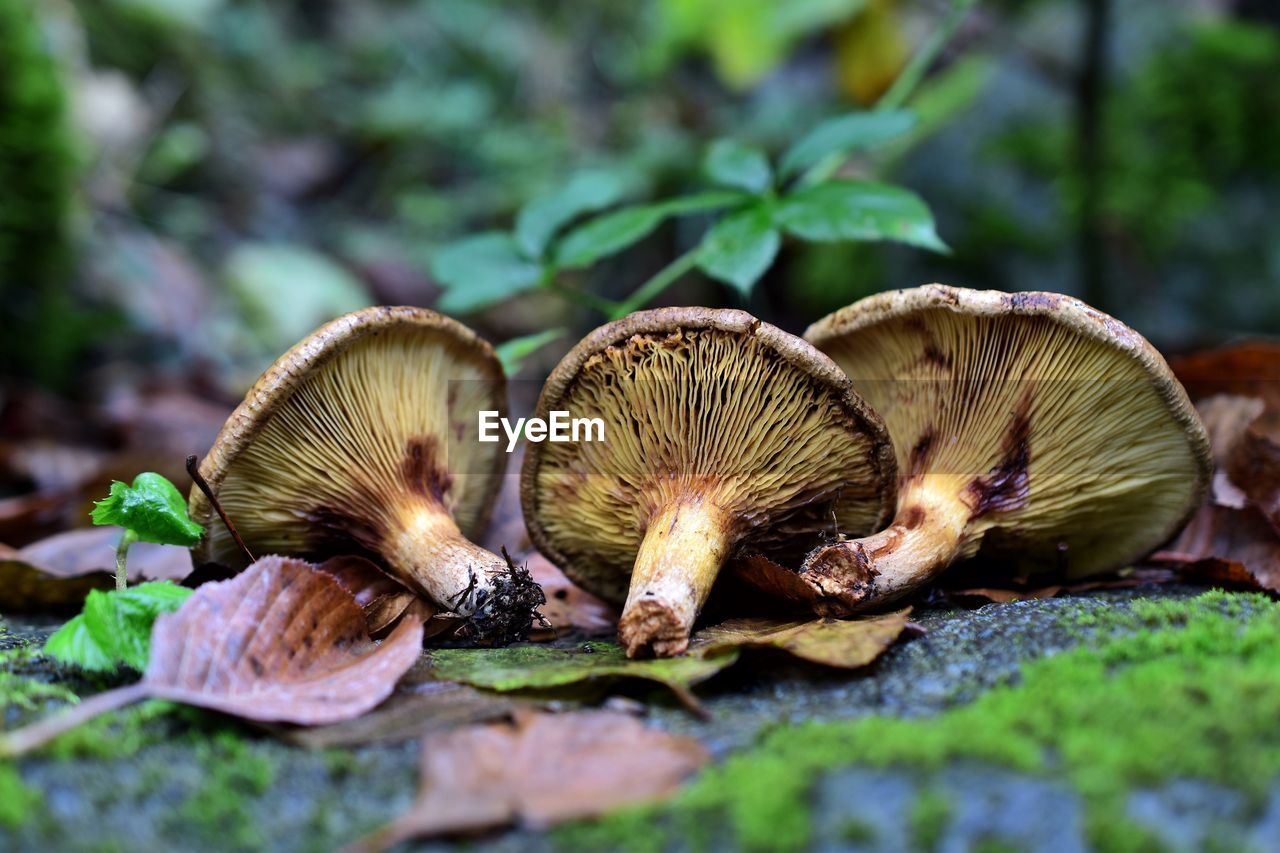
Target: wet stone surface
x=187, y=780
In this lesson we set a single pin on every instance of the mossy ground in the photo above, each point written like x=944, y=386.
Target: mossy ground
x=1164, y=690
x=1020, y=726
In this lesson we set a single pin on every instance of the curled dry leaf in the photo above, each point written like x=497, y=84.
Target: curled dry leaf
x=1237, y=532
x=1250, y=369
x=540, y=770
x=59, y=571
x=280, y=642
x=382, y=598
x=841, y=643
x=541, y=668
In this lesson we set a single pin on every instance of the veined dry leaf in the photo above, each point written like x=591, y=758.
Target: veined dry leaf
x=410, y=713
x=1218, y=537
x=540, y=668
x=1253, y=465
x=280, y=642
x=841, y=643
x=540, y=770
x=382, y=598
x=59, y=571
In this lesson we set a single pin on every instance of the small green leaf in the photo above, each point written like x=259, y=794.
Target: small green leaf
x=740, y=248
x=611, y=233
x=853, y=132
x=540, y=667
x=512, y=353
x=72, y=644
x=585, y=192
x=733, y=164
x=152, y=509
x=115, y=627
x=859, y=210
x=482, y=270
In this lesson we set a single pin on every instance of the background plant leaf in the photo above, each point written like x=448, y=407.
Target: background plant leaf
x=740, y=248
x=843, y=135
x=480, y=271
x=152, y=508
x=859, y=210
x=115, y=627
x=512, y=353
x=540, y=667
x=611, y=233
x=739, y=166
x=585, y=192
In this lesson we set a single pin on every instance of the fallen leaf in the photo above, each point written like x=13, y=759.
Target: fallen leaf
x=540, y=667
x=411, y=712
x=774, y=581
x=540, y=770
x=1220, y=535
x=280, y=642
x=382, y=598
x=997, y=595
x=1250, y=369
x=1253, y=465
x=58, y=572
x=845, y=644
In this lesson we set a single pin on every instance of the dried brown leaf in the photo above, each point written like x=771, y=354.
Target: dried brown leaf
x=846, y=644
x=383, y=598
x=540, y=770
x=1251, y=369
x=59, y=571
x=280, y=642
x=569, y=607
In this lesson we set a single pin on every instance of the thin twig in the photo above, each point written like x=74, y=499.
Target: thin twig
x=203, y=486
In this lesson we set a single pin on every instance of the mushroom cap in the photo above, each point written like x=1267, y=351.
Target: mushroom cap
x=1065, y=427
x=369, y=411
x=699, y=404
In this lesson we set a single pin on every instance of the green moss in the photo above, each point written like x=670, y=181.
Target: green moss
x=116, y=735
x=218, y=810
x=1191, y=691
x=930, y=814
x=19, y=690
x=17, y=801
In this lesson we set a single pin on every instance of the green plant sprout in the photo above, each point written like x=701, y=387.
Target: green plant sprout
x=151, y=510
x=756, y=203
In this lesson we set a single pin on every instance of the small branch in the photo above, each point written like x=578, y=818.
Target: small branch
x=199, y=480
x=36, y=735
x=659, y=282
x=122, y=552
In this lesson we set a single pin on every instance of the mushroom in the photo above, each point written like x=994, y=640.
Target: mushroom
x=1029, y=427
x=360, y=440
x=719, y=431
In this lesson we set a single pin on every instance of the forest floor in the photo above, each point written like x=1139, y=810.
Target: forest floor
x=158, y=777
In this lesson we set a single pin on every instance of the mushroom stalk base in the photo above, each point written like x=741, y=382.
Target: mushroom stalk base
x=683, y=549
x=926, y=536
x=430, y=555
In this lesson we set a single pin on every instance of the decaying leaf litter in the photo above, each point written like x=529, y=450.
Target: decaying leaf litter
x=512, y=683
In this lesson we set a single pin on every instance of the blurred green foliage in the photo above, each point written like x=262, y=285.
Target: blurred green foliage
x=37, y=187
x=1199, y=117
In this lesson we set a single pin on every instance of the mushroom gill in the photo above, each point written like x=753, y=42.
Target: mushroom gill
x=1028, y=427
x=361, y=440
x=719, y=430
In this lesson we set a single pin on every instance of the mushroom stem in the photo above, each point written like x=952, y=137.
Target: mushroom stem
x=429, y=554
x=684, y=546
x=926, y=536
